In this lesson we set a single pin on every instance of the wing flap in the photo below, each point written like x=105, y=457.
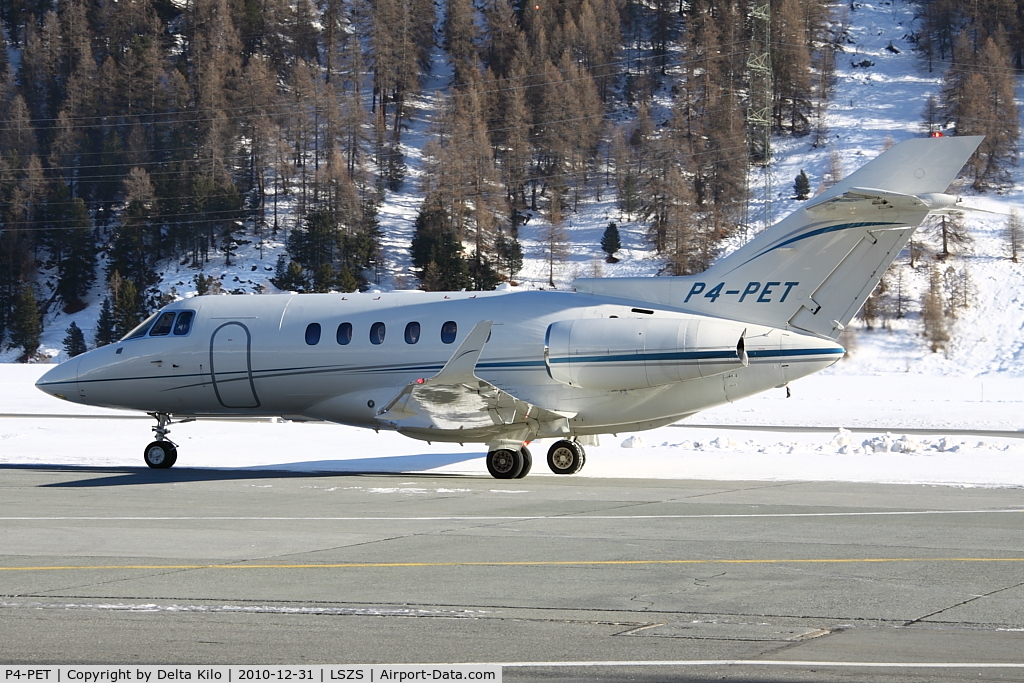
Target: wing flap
x=867, y=197
x=456, y=399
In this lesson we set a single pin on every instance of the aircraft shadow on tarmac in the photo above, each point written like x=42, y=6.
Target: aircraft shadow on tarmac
x=403, y=465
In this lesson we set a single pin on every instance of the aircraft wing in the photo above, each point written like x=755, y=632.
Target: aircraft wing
x=868, y=197
x=865, y=197
x=455, y=398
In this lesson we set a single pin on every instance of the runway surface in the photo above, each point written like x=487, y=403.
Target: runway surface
x=557, y=578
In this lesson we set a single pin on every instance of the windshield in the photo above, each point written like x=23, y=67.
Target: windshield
x=141, y=329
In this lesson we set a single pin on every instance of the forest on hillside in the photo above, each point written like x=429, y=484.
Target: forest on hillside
x=134, y=132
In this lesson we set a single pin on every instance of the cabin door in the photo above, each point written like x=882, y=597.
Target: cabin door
x=231, y=366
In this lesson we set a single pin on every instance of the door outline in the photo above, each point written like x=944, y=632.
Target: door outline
x=252, y=398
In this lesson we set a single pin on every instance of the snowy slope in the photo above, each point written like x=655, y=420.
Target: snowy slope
x=869, y=105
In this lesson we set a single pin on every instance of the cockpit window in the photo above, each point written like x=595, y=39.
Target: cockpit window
x=162, y=326
x=184, y=324
x=141, y=330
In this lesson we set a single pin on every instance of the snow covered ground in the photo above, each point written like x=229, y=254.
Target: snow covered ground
x=889, y=383
x=734, y=449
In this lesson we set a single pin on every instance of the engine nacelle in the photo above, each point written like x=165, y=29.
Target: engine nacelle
x=612, y=354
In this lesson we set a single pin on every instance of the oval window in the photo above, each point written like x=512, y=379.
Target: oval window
x=412, y=333
x=377, y=333
x=344, y=333
x=449, y=331
x=313, y=334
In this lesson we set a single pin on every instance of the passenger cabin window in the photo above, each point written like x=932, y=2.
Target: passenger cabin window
x=377, y=333
x=344, y=333
x=412, y=333
x=449, y=331
x=313, y=334
x=184, y=324
x=162, y=326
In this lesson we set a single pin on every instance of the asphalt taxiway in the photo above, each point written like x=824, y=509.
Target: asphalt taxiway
x=558, y=578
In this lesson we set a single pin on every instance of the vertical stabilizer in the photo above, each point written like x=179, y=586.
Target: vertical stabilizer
x=813, y=270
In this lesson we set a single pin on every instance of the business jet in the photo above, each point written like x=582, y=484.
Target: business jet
x=506, y=367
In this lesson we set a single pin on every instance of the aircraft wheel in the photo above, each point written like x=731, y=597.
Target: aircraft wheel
x=504, y=463
x=566, y=457
x=527, y=462
x=160, y=454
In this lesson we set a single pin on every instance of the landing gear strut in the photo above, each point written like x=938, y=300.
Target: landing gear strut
x=566, y=457
x=163, y=452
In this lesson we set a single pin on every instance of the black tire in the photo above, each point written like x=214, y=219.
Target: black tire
x=160, y=455
x=566, y=457
x=505, y=463
x=527, y=462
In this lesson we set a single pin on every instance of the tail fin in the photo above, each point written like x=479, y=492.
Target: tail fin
x=814, y=269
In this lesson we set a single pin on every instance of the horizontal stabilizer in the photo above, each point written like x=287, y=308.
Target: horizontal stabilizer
x=914, y=166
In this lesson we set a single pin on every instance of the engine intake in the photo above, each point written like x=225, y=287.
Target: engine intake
x=612, y=354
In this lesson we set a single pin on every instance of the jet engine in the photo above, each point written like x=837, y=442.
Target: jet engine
x=612, y=354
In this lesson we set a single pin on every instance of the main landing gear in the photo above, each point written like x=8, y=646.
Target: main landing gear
x=508, y=463
x=162, y=453
x=564, y=457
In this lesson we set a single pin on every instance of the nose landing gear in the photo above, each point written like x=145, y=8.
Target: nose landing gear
x=163, y=452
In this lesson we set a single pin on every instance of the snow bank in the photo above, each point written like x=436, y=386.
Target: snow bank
x=739, y=447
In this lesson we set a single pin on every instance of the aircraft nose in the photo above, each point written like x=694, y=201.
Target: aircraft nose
x=62, y=380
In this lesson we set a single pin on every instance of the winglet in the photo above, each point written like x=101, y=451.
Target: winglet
x=461, y=366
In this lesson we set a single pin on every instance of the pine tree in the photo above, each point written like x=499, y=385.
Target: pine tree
x=979, y=98
x=835, y=168
x=802, y=186
x=610, y=242
x=931, y=115
x=105, y=333
x=127, y=306
x=76, y=268
x=553, y=236
x=509, y=252
x=437, y=253
x=791, y=68
x=26, y=323
x=460, y=34
x=870, y=310
x=1014, y=233
x=74, y=342
x=933, y=312
x=289, y=276
x=959, y=289
x=953, y=234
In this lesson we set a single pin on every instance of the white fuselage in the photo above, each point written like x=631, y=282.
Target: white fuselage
x=263, y=356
